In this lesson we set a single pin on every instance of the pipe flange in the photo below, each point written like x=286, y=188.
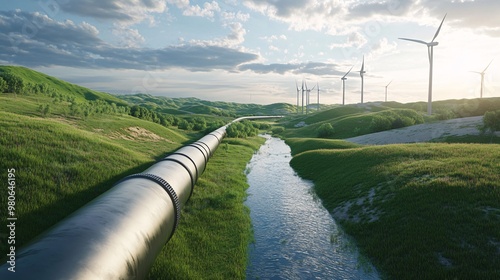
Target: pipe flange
x=166, y=186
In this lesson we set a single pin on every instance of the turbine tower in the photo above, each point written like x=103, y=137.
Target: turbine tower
x=298, y=91
x=343, y=85
x=362, y=73
x=302, y=96
x=317, y=84
x=430, y=49
x=482, y=77
x=386, y=90
x=308, y=96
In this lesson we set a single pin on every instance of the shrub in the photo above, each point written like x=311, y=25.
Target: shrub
x=402, y=122
x=14, y=83
x=3, y=85
x=241, y=130
x=278, y=130
x=380, y=123
x=325, y=130
x=491, y=120
x=185, y=125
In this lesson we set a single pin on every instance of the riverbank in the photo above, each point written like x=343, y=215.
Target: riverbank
x=418, y=211
x=212, y=239
x=294, y=235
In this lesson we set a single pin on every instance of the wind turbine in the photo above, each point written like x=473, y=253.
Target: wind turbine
x=308, y=95
x=298, y=91
x=302, y=96
x=386, y=90
x=317, y=84
x=482, y=76
x=343, y=85
x=362, y=73
x=430, y=50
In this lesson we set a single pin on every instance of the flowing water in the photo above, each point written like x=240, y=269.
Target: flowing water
x=295, y=236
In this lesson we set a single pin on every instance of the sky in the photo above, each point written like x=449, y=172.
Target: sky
x=256, y=51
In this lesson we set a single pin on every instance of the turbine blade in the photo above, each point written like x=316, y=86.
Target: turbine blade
x=388, y=83
x=487, y=66
x=348, y=72
x=439, y=29
x=313, y=87
x=414, y=40
x=363, y=65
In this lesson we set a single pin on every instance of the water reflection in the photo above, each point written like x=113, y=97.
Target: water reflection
x=295, y=236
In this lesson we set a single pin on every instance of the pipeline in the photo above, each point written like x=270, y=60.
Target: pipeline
x=119, y=234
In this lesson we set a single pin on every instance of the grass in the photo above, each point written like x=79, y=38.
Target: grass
x=419, y=211
x=354, y=124
x=212, y=239
x=59, y=86
x=479, y=139
x=62, y=162
x=306, y=144
x=59, y=168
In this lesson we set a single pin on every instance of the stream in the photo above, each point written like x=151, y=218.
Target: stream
x=294, y=235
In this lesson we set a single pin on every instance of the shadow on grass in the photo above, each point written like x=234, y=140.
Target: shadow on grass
x=41, y=220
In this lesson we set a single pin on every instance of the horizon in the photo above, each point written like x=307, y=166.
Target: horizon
x=255, y=51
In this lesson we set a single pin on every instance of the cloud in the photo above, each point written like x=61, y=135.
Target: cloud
x=354, y=39
x=34, y=40
x=231, y=16
x=343, y=17
x=382, y=47
x=130, y=38
x=272, y=38
x=207, y=11
x=302, y=14
x=125, y=11
x=314, y=68
x=233, y=39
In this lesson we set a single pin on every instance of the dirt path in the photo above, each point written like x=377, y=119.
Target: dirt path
x=422, y=132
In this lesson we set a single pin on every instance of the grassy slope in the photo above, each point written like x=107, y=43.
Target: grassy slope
x=62, y=87
x=353, y=124
x=354, y=120
x=307, y=144
x=58, y=169
x=215, y=228
x=436, y=206
x=197, y=106
x=63, y=162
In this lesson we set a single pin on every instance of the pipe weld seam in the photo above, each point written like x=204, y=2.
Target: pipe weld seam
x=201, y=151
x=192, y=161
x=166, y=186
x=187, y=169
x=209, y=150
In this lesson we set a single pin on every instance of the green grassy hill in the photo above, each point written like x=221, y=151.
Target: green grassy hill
x=197, y=106
x=419, y=211
x=33, y=80
x=359, y=119
x=64, y=158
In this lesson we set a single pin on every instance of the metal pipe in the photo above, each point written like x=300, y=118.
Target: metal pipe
x=119, y=234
